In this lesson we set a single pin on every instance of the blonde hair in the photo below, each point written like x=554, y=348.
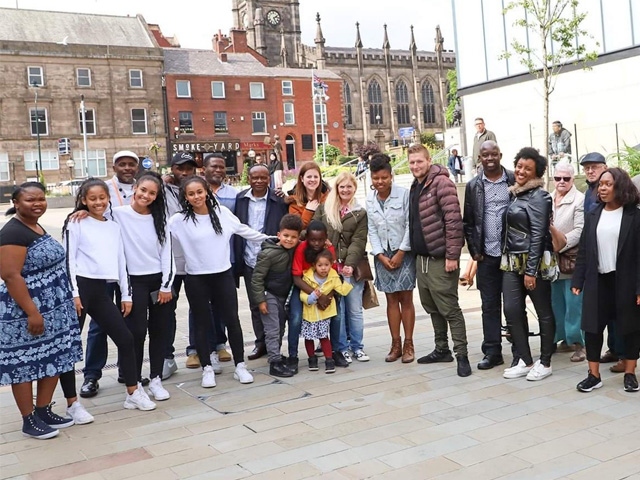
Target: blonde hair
x=332, y=204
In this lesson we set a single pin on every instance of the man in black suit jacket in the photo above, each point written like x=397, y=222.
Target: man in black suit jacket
x=259, y=207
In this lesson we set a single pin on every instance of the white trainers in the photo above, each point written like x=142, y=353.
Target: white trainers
x=539, y=372
x=361, y=356
x=520, y=370
x=139, y=400
x=169, y=368
x=157, y=391
x=215, y=362
x=79, y=413
x=347, y=356
x=242, y=374
x=208, y=377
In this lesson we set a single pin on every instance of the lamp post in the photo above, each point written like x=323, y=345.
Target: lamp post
x=70, y=165
x=155, y=143
x=37, y=117
x=379, y=135
x=414, y=136
x=85, y=161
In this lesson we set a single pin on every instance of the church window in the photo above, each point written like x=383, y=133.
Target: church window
x=428, y=103
x=374, y=94
x=348, y=111
x=402, y=103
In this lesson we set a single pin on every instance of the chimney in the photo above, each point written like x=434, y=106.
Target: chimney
x=220, y=42
x=223, y=57
x=239, y=41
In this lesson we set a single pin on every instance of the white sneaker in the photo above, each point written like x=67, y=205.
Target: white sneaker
x=215, y=362
x=140, y=400
x=242, y=374
x=539, y=372
x=79, y=413
x=169, y=368
x=208, y=377
x=520, y=370
x=361, y=356
x=157, y=390
x=347, y=356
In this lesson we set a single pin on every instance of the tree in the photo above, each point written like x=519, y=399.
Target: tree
x=331, y=153
x=557, y=25
x=452, y=96
x=367, y=149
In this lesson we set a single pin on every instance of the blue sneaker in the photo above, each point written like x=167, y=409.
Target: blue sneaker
x=33, y=426
x=52, y=419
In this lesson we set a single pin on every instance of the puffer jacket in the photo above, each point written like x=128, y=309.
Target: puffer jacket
x=440, y=217
x=273, y=271
x=351, y=242
x=526, y=223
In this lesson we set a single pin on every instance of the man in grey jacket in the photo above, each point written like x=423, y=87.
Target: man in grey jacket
x=482, y=135
x=559, y=142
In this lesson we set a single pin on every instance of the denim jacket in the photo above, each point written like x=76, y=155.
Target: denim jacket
x=389, y=227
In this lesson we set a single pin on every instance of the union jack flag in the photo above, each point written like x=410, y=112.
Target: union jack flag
x=318, y=83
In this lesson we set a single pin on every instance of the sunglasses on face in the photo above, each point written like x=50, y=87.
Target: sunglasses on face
x=563, y=179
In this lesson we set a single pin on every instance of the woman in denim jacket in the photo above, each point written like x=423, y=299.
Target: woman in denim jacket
x=388, y=210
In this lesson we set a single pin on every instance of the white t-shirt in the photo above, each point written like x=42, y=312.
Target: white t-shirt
x=204, y=250
x=607, y=235
x=143, y=252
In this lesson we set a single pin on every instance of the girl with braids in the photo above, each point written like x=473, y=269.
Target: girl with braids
x=40, y=336
x=202, y=231
x=95, y=256
x=151, y=270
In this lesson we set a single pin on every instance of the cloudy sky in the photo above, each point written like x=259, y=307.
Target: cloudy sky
x=195, y=21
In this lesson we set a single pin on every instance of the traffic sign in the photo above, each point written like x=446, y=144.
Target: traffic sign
x=147, y=163
x=64, y=146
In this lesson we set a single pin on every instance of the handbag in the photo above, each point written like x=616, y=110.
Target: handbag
x=369, y=296
x=558, y=239
x=362, y=270
x=567, y=260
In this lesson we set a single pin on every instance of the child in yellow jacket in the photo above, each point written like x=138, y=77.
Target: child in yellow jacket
x=315, y=322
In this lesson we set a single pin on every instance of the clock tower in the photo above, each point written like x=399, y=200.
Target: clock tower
x=267, y=22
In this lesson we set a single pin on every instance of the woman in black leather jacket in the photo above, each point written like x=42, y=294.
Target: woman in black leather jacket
x=528, y=264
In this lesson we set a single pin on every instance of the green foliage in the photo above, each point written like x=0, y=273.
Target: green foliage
x=332, y=153
x=41, y=178
x=429, y=139
x=244, y=178
x=452, y=95
x=628, y=159
x=342, y=159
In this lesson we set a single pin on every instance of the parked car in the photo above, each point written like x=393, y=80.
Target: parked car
x=69, y=187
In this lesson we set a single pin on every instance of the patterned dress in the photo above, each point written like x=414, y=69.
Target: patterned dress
x=24, y=357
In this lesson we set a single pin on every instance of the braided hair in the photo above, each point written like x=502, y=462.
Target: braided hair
x=157, y=207
x=19, y=191
x=81, y=195
x=211, y=202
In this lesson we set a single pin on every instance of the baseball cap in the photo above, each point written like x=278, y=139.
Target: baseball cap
x=181, y=158
x=125, y=153
x=593, y=157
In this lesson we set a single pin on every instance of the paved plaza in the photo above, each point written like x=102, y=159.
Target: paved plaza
x=372, y=420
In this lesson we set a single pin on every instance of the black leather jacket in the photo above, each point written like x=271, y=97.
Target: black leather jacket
x=526, y=223
x=473, y=219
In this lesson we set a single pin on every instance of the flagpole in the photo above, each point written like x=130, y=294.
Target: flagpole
x=322, y=120
x=315, y=122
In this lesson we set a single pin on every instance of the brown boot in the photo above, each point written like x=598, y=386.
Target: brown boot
x=409, y=353
x=396, y=350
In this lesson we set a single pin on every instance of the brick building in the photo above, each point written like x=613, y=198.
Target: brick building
x=113, y=62
x=227, y=100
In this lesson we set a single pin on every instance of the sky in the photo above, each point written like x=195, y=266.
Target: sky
x=194, y=26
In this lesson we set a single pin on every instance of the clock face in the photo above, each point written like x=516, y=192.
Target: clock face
x=273, y=18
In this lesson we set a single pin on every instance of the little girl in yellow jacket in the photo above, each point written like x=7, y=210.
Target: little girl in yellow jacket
x=315, y=322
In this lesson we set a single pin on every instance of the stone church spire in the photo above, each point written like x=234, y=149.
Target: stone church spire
x=416, y=81
x=358, y=39
x=362, y=85
x=319, y=40
x=385, y=44
x=283, y=50
x=258, y=22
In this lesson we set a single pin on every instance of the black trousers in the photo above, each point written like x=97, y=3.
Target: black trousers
x=489, y=278
x=215, y=292
x=146, y=315
x=515, y=310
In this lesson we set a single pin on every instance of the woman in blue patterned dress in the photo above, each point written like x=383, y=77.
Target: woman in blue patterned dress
x=39, y=334
x=388, y=213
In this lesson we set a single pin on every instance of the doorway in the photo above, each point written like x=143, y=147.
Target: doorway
x=291, y=152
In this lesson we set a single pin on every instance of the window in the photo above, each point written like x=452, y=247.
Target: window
x=289, y=116
x=186, y=122
x=4, y=167
x=217, y=89
x=183, y=88
x=319, y=137
x=348, y=111
x=307, y=142
x=256, y=90
x=83, y=76
x=89, y=120
x=374, y=95
x=428, y=103
x=39, y=125
x=94, y=166
x=321, y=113
x=138, y=121
x=36, y=77
x=287, y=87
x=220, y=122
x=49, y=160
x=402, y=103
x=135, y=78
x=259, y=122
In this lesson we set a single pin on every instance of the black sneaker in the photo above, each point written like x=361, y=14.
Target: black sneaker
x=630, y=382
x=464, y=369
x=437, y=356
x=329, y=366
x=590, y=383
x=33, y=426
x=339, y=360
x=292, y=364
x=52, y=419
x=279, y=369
x=89, y=388
x=313, y=363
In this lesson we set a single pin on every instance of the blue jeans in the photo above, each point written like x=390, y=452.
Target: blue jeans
x=567, y=310
x=350, y=319
x=97, y=350
x=295, y=322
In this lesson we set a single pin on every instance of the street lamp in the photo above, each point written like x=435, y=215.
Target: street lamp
x=379, y=135
x=70, y=165
x=155, y=143
x=414, y=135
x=37, y=117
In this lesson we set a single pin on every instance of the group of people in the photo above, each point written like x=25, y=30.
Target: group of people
x=132, y=242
